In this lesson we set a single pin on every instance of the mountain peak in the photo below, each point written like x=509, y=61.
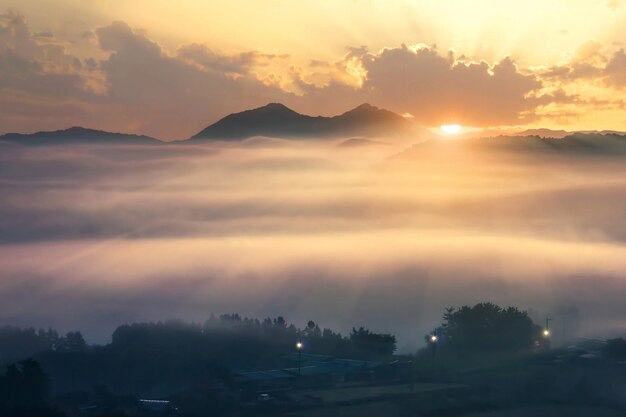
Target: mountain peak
x=278, y=120
x=365, y=106
x=275, y=106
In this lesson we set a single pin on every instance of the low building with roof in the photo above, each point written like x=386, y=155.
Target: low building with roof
x=307, y=370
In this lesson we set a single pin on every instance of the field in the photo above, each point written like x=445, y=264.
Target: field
x=346, y=395
x=552, y=410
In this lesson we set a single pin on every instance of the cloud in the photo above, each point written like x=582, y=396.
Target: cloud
x=41, y=85
x=92, y=236
x=592, y=62
x=30, y=66
x=435, y=88
x=439, y=89
x=615, y=70
x=138, y=88
x=241, y=63
x=172, y=92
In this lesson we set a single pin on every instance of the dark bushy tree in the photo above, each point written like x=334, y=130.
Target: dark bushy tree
x=17, y=344
x=380, y=345
x=487, y=326
x=615, y=348
x=24, y=390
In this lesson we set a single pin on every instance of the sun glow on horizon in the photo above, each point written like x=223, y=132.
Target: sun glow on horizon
x=450, y=129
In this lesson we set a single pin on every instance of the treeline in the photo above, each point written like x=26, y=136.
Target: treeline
x=18, y=343
x=251, y=343
x=24, y=389
x=154, y=358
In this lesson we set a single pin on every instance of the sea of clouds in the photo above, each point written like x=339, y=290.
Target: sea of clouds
x=93, y=236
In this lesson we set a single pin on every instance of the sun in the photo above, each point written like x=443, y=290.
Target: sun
x=450, y=129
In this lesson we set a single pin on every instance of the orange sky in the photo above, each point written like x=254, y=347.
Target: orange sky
x=168, y=69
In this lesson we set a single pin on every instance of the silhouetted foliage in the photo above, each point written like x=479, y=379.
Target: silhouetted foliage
x=615, y=348
x=487, y=326
x=379, y=344
x=163, y=356
x=17, y=344
x=23, y=391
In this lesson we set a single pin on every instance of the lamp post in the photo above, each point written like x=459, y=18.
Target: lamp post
x=546, y=334
x=299, y=347
x=546, y=331
x=433, y=341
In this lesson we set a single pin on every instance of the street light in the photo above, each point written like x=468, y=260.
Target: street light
x=546, y=333
x=433, y=341
x=299, y=347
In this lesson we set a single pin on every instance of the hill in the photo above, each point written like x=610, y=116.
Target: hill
x=76, y=135
x=577, y=144
x=277, y=120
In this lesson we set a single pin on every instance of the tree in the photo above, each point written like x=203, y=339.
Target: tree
x=23, y=384
x=72, y=342
x=615, y=348
x=312, y=330
x=487, y=326
x=373, y=343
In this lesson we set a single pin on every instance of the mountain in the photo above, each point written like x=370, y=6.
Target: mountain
x=560, y=134
x=76, y=135
x=545, y=133
x=277, y=120
x=575, y=144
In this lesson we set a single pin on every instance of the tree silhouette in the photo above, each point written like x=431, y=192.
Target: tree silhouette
x=379, y=344
x=23, y=384
x=487, y=326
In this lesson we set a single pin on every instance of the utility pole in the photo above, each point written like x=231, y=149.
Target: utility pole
x=299, y=347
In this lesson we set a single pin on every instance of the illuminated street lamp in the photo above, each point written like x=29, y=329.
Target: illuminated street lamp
x=546, y=333
x=434, y=339
x=299, y=347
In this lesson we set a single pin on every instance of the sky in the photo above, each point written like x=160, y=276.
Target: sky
x=169, y=69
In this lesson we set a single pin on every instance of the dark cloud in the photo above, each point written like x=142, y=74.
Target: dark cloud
x=138, y=88
x=165, y=92
x=438, y=89
x=615, y=70
x=40, y=84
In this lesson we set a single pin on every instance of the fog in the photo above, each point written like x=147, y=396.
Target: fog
x=381, y=236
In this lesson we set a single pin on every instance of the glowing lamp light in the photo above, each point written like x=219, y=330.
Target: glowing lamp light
x=434, y=338
x=546, y=333
x=299, y=345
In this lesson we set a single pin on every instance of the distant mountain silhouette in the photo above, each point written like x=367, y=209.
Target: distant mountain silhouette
x=277, y=120
x=560, y=134
x=576, y=144
x=76, y=135
x=545, y=133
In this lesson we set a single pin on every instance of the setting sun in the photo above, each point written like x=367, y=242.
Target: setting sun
x=450, y=129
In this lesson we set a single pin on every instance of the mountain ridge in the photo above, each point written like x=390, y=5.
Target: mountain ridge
x=76, y=135
x=278, y=120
